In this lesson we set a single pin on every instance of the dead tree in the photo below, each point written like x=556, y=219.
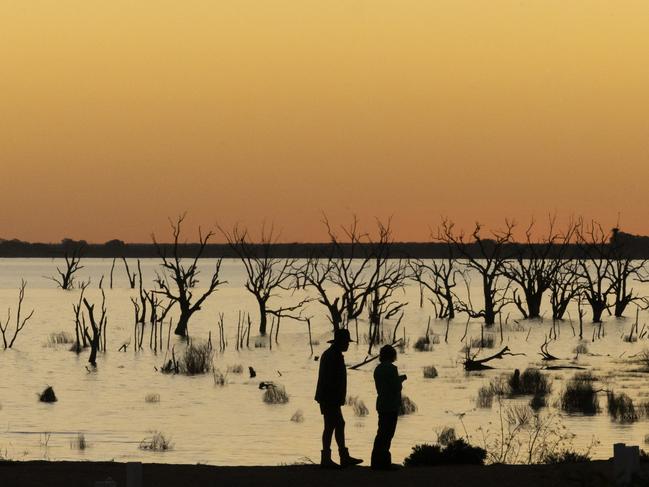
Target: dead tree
x=564, y=287
x=80, y=330
x=341, y=279
x=486, y=257
x=440, y=278
x=388, y=276
x=177, y=280
x=535, y=264
x=20, y=321
x=622, y=269
x=65, y=279
x=98, y=327
x=595, y=267
x=132, y=278
x=266, y=275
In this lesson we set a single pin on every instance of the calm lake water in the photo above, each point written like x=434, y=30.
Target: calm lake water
x=231, y=425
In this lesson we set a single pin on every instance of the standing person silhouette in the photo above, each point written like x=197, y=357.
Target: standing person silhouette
x=331, y=393
x=388, y=401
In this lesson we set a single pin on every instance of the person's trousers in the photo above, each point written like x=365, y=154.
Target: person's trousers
x=381, y=452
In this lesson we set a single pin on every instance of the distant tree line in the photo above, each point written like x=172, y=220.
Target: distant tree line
x=635, y=247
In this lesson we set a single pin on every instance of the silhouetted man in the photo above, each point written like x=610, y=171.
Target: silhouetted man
x=331, y=393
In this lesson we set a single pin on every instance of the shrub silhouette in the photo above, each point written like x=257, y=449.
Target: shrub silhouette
x=457, y=452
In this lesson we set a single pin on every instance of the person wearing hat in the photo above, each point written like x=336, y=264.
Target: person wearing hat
x=388, y=401
x=331, y=394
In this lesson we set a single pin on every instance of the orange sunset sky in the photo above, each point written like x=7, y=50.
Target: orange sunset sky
x=117, y=114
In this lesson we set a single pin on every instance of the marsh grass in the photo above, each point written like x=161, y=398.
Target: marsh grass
x=531, y=381
x=538, y=401
x=59, y=338
x=430, y=372
x=157, y=442
x=487, y=341
x=152, y=397
x=196, y=360
x=581, y=348
x=298, y=416
x=423, y=344
x=485, y=397
x=275, y=394
x=579, y=395
x=407, y=406
x=358, y=406
x=620, y=408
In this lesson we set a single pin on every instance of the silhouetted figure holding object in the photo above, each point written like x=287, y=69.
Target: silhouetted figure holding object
x=331, y=394
x=388, y=387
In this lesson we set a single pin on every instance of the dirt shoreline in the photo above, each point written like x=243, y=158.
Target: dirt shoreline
x=84, y=474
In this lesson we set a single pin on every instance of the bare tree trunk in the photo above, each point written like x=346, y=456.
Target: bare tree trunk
x=263, y=321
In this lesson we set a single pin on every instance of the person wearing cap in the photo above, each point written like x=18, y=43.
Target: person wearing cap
x=331, y=394
x=388, y=401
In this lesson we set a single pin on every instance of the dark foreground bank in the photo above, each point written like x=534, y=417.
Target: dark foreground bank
x=84, y=474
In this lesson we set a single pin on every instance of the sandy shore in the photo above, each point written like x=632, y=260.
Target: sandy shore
x=84, y=474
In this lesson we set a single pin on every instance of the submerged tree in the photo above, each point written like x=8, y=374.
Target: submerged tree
x=177, y=280
x=440, y=278
x=66, y=278
x=341, y=278
x=487, y=257
x=98, y=327
x=20, y=321
x=535, y=266
x=265, y=273
x=595, y=267
x=564, y=287
x=622, y=269
x=388, y=276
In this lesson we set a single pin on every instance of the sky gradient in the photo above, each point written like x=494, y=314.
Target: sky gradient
x=115, y=115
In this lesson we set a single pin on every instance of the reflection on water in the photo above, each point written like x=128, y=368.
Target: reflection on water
x=231, y=425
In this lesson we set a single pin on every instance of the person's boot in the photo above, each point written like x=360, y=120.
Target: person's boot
x=346, y=460
x=326, y=461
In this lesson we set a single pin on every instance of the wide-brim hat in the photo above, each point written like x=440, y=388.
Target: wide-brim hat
x=341, y=335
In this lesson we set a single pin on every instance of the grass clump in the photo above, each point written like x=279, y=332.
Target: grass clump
x=485, y=397
x=152, y=397
x=407, y=406
x=275, y=394
x=197, y=359
x=47, y=395
x=620, y=408
x=581, y=348
x=430, y=372
x=537, y=402
x=156, y=442
x=531, y=381
x=487, y=341
x=457, y=452
x=579, y=395
x=298, y=416
x=79, y=443
x=60, y=338
x=423, y=344
x=359, y=407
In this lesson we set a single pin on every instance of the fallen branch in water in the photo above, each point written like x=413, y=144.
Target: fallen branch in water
x=471, y=363
x=372, y=358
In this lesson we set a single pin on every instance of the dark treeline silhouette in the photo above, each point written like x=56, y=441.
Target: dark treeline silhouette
x=635, y=247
